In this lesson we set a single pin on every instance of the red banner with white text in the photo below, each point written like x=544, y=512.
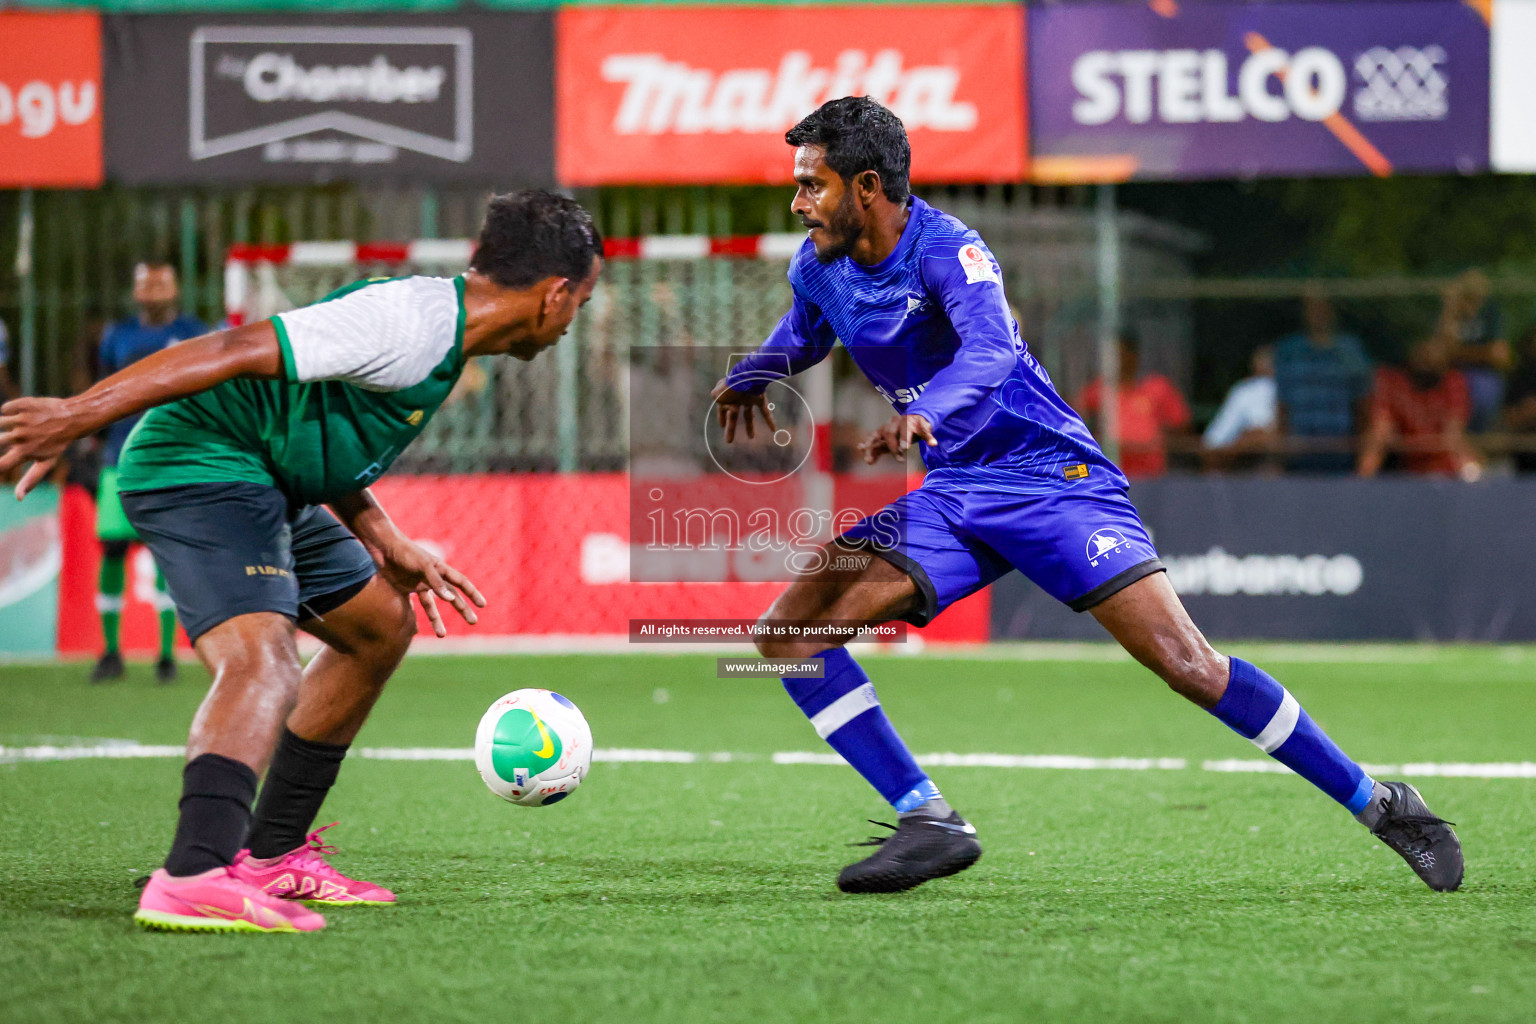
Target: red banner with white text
x=550, y=553
x=50, y=100
x=684, y=95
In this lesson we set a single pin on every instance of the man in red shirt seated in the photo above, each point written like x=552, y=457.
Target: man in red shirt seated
x=1150, y=408
x=1423, y=408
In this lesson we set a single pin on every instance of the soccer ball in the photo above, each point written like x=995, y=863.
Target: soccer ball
x=533, y=747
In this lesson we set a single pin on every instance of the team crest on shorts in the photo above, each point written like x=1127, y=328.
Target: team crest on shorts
x=1104, y=542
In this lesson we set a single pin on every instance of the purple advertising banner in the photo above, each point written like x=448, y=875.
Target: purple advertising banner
x=1183, y=90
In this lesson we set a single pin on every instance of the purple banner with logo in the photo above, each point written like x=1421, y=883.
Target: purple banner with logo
x=1183, y=90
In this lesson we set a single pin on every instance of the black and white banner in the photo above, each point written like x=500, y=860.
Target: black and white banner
x=464, y=98
x=1326, y=559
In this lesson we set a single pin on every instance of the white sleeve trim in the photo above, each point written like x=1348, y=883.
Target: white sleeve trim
x=386, y=337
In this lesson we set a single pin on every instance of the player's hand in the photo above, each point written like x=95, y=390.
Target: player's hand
x=412, y=569
x=35, y=430
x=733, y=407
x=895, y=437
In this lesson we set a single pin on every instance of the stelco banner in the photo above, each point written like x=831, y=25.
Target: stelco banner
x=1237, y=90
x=702, y=95
x=268, y=98
x=50, y=100
x=1326, y=559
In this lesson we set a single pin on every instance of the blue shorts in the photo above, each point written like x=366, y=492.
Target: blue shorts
x=230, y=549
x=1080, y=541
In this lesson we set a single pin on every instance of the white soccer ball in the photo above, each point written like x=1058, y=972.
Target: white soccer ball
x=533, y=747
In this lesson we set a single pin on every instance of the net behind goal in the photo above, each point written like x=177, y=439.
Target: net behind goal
x=569, y=410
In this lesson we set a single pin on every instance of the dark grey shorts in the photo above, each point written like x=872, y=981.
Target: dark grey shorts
x=229, y=549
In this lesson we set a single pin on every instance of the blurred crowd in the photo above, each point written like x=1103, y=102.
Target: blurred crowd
x=1462, y=399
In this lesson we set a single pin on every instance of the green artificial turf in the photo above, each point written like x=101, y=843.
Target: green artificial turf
x=703, y=891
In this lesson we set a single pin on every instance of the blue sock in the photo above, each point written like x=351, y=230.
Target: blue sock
x=845, y=712
x=1264, y=712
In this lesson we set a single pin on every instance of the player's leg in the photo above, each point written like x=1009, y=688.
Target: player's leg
x=908, y=564
x=111, y=581
x=115, y=534
x=366, y=626
x=165, y=665
x=224, y=551
x=1149, y=621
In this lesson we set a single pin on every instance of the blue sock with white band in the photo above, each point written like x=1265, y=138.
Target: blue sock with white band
x=845, y=712
x=1264, y=712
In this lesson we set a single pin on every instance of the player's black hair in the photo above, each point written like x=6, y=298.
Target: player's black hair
x=534, y=234
x=858, y=135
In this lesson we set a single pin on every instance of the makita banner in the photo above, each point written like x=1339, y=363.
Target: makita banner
x=50, y=100
x=1217, y=90
x=271, y=98
x=1326, y=559
x=702, y=95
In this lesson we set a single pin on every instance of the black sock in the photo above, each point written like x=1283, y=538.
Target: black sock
x=216, y=795
x=302, y=772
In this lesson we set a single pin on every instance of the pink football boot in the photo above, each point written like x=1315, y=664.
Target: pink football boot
x=304, y=874
x=217, y=901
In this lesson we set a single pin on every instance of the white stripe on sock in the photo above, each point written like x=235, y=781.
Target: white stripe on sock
x=109, y=603
x=1281, y=726
x=844, y=710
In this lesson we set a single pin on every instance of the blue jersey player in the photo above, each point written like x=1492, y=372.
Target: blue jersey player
x=1014, y=481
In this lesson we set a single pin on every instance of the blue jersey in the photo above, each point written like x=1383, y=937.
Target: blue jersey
x=125, y=343
x=930, y=327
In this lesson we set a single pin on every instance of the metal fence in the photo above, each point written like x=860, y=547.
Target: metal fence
x=569, y=411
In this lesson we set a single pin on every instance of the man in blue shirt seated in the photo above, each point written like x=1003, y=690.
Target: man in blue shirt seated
x=1243, y=431
x=158, y=324
x=1322, y=382
x=1015, y=481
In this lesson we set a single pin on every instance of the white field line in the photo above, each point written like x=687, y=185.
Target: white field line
x=1027, y=651
x=1495, y=770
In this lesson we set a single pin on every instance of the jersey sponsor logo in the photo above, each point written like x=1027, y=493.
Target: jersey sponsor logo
x=1104, y=543
x=901, y=396
x=414, y=419
x=265, y=570
x=1079, y=471
x=976, y=264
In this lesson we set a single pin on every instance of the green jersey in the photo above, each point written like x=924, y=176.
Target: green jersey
x=364, y=369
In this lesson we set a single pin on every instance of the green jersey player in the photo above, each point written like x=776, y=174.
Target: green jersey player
x=248, y=479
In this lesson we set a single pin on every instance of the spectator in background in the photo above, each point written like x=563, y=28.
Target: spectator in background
x=1473, y=327
x=157, y=325
x=1150, y=408
x=1424, y=410
x=1243, y=431
x=1520, y=404
x=1322, y=381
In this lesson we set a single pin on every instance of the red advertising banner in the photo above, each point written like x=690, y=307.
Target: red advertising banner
x=550, y=552
x=699, y=95
x=50, y=100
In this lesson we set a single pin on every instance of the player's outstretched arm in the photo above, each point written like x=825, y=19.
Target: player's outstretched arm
x=38, y=430
x=801, y=339
x=895, y=437
x=406, y=565
x=733, y=407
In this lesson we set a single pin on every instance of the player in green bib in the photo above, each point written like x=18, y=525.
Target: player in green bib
x=248, y=480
